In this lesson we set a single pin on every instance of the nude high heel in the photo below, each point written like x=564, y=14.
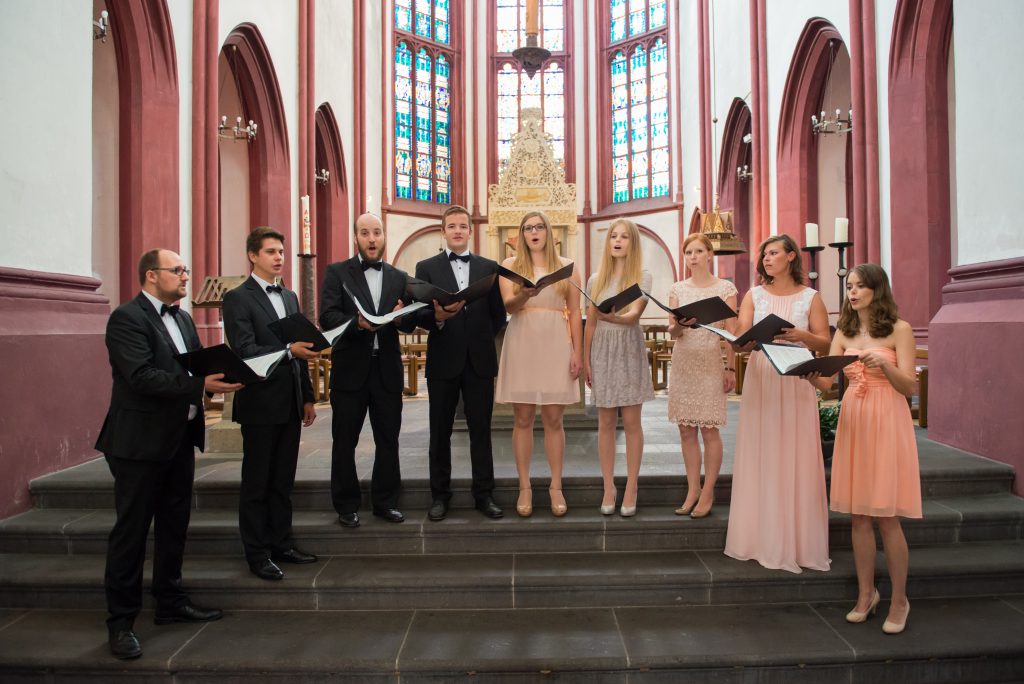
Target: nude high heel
x=524, y=506
x=857, y=616
x=558, y=507
x=890, y=627
x=610, y=508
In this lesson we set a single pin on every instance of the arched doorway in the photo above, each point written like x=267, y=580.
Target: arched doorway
x=422, y=244
x=735, y=193
x=331, y=232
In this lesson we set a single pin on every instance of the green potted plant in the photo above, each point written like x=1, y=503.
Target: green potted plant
x=828, y=418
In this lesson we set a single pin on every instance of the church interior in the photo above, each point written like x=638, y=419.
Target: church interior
x=860, y=128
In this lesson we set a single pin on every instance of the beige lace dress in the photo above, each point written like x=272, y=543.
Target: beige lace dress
x=695, y=395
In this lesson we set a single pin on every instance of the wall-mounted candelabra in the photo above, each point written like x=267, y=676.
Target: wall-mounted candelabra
x=101, y=27
x=322, y=177
x=237, y=132
x=743, y=174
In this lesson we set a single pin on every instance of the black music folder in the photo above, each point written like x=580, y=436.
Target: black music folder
x=762, y=333
x=706, y=311
x=298, y=328
x=220, y=358
x=792, y=360
x=422, y=291
x=624, y=298
x=549, y=279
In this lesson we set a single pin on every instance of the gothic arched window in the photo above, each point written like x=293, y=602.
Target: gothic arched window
x=636, y=72
x=549, y=90
x=423, y=124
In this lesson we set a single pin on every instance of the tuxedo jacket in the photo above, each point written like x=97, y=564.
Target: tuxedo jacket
x=152, y=392
x=247, y=313
x=469, y=336
x=353, y=349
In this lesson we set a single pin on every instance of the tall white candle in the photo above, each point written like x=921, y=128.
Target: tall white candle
x=306, y=246
x=842, y=229
x=811, y=235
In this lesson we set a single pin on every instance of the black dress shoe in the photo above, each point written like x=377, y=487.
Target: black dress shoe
x=439, y=511
x=349, y=519
x=266, y=569
x=124, y=645
x=293, y=555
x=390, y=514
x=489, y=508
x=186, y=612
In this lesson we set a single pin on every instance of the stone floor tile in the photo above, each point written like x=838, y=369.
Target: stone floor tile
x=556, y=640
x=297, y=642
x=728, y=636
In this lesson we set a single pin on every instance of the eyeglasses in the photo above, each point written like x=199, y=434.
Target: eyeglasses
x=177, y=270
x=536, y=228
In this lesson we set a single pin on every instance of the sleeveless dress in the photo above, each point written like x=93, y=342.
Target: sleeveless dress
x=695, y=395
x=779, y=512
x=874, y=466
x=620, y=373
x=535, y=354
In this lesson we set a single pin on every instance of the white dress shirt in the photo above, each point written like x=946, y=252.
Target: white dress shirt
x=171, y=323
x=276, y=298
x=459, y=267
x=375, y=281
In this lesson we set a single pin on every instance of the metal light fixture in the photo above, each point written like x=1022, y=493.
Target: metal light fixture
x=237, y=132
x=101, y=27
x=836, y=125
x=531, y=57
x=743, y=174
x=322, y=177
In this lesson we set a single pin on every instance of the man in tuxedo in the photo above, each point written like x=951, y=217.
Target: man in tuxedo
x=272, y=412
x=367, y=372
x=149, y=436
x=461, y=360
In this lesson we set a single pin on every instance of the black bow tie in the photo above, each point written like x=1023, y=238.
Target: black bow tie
x=452, y=256
x=371, y=264
x=172, y=309
x=274, y=288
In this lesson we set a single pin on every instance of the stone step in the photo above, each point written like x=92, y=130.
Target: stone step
x=947, y=520
x=944, y=472
x=947, y=640
x=521, y=580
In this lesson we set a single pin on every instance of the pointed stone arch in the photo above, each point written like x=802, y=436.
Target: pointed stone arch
x=332, y=241
x=735, y=194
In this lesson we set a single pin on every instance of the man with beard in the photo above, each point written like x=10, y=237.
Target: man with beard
x=367, y=372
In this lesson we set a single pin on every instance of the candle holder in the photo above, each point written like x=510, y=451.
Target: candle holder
x=813, y=252
x=842, y=272
x=307, y=291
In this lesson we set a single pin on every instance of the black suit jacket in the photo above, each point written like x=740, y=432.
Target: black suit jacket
x=149, y=404
x=352, y=350
x=247, y=313
x=469, y=336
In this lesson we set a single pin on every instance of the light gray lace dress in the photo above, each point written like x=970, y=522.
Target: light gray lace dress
x=620, y=372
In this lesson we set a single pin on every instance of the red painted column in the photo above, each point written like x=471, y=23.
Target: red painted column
x=310, y=49
x=703, y=103
x=756, y=131
x=359, y=100
x=858, y=221
x=871, y=201
x=765, y=220
x=211, y=159
x=304, y=116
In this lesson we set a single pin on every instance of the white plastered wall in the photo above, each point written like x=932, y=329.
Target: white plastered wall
x=46, y=135
x=988, y=49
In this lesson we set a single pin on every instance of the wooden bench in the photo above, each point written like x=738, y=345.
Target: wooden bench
x=413, y=358
x=921, y=413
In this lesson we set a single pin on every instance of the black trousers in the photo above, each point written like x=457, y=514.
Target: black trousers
x=349, y=412
x=158, y=492
x=478, y=401
x=265, y=495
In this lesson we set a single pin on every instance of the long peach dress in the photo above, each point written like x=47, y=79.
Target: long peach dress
x=874, y=466
x=779, y=513
x=535, y=354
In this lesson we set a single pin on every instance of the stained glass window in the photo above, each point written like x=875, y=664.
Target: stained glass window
x=546, y=90
x=422, y=100
x=638, y=80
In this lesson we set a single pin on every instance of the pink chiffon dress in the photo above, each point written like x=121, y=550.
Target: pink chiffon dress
x=779, y=512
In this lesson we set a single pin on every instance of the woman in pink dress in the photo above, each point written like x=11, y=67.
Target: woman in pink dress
x=698, y=382
x=875, y=475
x=779, y=512
x=541, y=356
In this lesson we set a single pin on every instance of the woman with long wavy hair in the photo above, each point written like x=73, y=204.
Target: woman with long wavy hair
x=875, y=476
x=779, y=512
x=541, y=356
x=615, y=360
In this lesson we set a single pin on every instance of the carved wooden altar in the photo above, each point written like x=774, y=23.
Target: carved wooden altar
x=532, y=181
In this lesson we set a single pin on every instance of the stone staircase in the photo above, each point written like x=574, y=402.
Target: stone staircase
x=583, y=598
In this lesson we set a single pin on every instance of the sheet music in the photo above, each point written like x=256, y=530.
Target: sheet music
x=263, y=364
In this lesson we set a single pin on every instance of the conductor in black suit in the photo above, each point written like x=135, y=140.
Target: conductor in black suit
x=149, y=436
x=461, y=360
x=272, y=412
x=367, y=372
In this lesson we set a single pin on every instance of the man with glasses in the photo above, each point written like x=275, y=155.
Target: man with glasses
x=152, y=428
